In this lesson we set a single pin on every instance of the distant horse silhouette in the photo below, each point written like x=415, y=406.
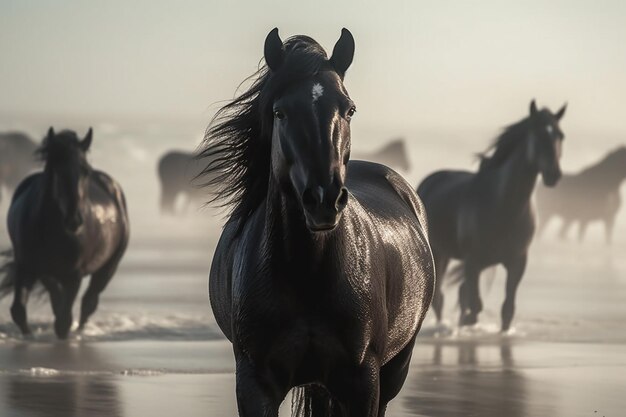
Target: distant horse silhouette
x=65, y=223
x=394, y=154
x=17, y=159
x=177, y=170
x=592, y=194
x=485, y=218
x=323, y=273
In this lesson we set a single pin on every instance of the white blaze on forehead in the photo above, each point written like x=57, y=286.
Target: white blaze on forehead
x=317, y=91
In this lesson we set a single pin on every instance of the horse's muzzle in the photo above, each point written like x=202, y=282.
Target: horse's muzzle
x=551, y=177
x=323, y=207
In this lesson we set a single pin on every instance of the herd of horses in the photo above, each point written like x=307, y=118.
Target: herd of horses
x=326, y=267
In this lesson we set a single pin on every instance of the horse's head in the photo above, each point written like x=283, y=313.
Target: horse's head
x=65, y=158
x=308, y=110
x=544, y=150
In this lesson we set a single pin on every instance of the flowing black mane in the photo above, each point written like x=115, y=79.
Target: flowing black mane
x=238, y=140
x=504, y=145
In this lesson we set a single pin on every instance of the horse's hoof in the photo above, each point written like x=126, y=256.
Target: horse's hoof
x=469, y=320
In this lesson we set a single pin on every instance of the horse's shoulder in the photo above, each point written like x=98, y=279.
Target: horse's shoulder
x=380, y=178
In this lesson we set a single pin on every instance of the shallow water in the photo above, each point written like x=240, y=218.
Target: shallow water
x=153, y=347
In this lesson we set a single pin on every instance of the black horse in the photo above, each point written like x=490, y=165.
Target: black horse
x=65, y=223
x=323, y=273
x=17, y=159
x=485, y=218
x=592, y=194
x=177, y=170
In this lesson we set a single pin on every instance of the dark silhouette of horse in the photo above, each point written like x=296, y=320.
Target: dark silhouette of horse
x=485, y=218
x=66, y=222
x=394, y=154
x=592, y=194
x=323, y=273
x=17, y=159
x=177, y=170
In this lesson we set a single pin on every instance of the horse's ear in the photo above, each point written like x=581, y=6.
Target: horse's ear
x=561, y=112
x=343, y=53
x=86, y=143
x=51, y=132
x=533, y=108
x=274, y=50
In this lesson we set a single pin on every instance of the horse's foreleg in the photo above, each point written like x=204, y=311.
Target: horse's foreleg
x=470, y=290
x=358, y=391
x=63, y=320
x=98, y=282
x=56, y=292
x=392, y=376
x=257, y=396
x=21, y=292
x=515, y=270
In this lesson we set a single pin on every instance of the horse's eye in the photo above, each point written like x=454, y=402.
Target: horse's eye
x=279, y=114
x=351, y=111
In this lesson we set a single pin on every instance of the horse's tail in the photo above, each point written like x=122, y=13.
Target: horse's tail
x=8, y=277
x=7, y=273
x=313, y=401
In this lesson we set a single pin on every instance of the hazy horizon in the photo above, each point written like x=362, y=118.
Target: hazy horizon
x=430, y=65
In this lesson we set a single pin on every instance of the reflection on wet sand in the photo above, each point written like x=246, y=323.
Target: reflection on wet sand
x=68, y=396
x=33, y=387
x=470, y=379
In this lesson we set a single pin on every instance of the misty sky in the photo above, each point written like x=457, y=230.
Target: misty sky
x=417, y=63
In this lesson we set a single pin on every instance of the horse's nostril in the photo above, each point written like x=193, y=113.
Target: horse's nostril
x=342, y=199
x=312, y=197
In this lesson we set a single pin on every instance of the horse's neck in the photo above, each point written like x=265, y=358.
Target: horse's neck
x=514, y=182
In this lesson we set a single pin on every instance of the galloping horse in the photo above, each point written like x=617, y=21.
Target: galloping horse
x=592, y=194
x=485, y=218
x=65, y=223
x=323, y=273
x=17, y=159
x=176, y=170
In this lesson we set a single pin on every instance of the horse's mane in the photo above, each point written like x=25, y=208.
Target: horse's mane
x=500, y=149
x=57, y=147
x=614, y=163
x=237, y=143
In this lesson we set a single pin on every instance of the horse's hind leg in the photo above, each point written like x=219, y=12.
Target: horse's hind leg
x=582, y=230
x=469, y=295
x=441, y=264
x=565, y=226
x=515, y=270
x=23, y=285
x=98, y=282
x=392, y=376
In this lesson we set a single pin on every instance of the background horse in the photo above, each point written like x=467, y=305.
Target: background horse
x=65, y=223
x=17, y=159
x=485, y=218
x=592, y=194
x=323, y=273
x=394, y=154
x=177, y=170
